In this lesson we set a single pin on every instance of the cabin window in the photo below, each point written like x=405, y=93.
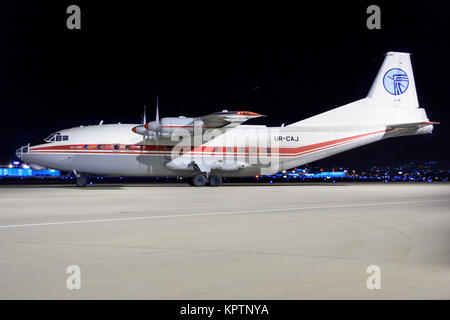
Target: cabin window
x=268, y=150
x=169, y=148
x=86, y=146
x=65, y=138
x=116, y=147
x=99, y=146
x=58, y=138
x=127, y=147
x=216, y=149
x=241, y=149
x=229, y=149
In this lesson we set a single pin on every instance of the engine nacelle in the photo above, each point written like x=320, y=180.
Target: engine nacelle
x=140, y=130
x=167, y=126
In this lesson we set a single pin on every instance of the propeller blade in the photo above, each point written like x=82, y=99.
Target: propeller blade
x=158, y=127
x=144, y=115
x=157, y=111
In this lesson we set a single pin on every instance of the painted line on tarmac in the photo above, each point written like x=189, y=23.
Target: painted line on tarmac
x=216, y=213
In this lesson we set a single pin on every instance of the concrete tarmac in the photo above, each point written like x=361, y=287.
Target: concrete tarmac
x=296, y=241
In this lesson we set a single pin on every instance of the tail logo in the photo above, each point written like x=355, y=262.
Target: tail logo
x=396, y=81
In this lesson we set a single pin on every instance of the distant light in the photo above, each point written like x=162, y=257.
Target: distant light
x=25, y=166
x=10, y=166
x=16, y=163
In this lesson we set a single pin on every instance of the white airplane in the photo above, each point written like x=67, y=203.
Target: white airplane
x=207, y=148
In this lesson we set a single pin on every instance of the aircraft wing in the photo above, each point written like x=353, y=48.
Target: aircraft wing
x=227, y=119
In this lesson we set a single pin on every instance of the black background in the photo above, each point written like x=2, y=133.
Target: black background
x=288, y=60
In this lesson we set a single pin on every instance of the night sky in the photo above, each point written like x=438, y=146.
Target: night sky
x=287, y=61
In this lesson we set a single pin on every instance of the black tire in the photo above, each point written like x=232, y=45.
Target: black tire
x=215, y=180
x=199, y=180
x=82, y=181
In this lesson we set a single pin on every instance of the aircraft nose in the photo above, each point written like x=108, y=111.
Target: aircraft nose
x=21, y=151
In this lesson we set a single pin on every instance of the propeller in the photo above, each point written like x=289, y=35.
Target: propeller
x=153, y=127
x=140, y=129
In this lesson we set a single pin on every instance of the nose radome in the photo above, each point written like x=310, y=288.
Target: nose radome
x=19, y=153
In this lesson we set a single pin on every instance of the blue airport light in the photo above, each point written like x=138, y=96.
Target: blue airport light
x=20, y=172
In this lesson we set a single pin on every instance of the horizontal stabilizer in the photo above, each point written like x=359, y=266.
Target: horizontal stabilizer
x=411, y=125
x=410, y=129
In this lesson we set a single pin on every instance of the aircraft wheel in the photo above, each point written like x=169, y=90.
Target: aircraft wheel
x=199, y=180
x=215, y=180
x=82, y=181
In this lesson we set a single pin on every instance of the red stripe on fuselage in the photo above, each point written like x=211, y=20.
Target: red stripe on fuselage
x=210, y=150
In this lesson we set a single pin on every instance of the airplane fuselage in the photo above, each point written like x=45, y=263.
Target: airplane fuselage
x=115, y=150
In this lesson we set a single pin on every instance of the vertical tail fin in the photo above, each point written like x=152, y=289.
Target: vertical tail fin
x=392, y=100
x=394, y=85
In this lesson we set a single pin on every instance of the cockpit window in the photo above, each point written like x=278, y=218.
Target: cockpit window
x=56, y=137
x=50, y=138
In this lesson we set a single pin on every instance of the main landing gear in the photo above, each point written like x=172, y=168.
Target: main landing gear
x=200, y=180
x=215, y=180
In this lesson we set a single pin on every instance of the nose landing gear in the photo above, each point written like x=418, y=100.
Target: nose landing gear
x=82, y=180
